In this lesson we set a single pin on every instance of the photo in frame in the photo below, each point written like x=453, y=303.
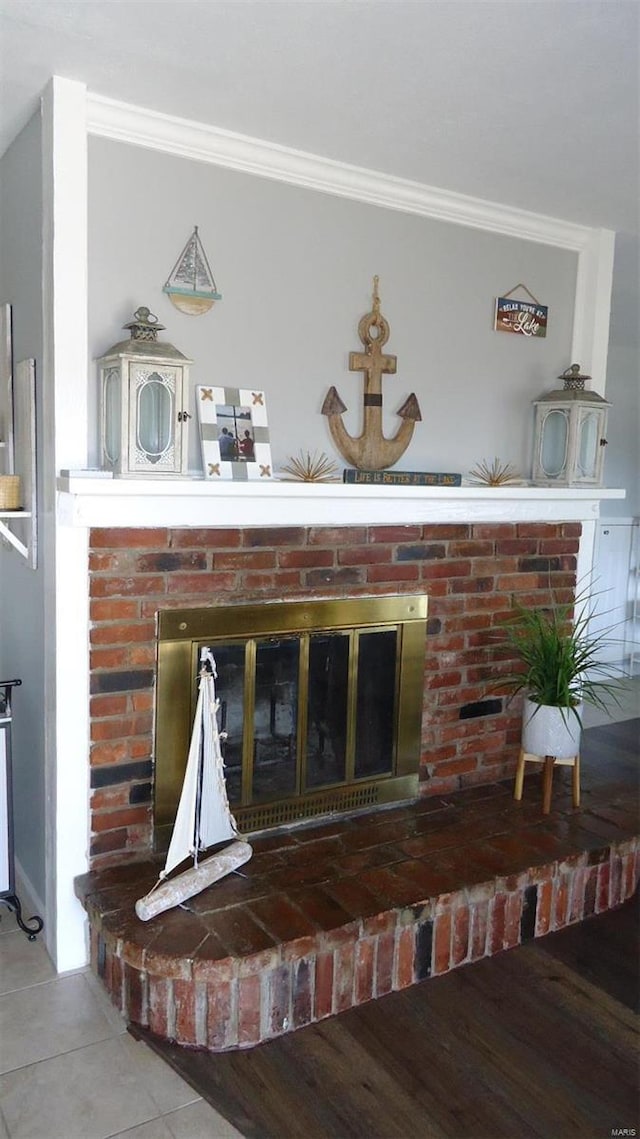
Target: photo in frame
x=234, y=434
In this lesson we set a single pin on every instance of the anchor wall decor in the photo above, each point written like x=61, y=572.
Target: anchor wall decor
x=371, y=450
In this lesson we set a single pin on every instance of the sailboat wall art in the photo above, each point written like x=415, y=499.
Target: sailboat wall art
x=191, y=286
x=203, y=818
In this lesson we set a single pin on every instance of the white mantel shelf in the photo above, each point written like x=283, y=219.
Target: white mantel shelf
x=88, y=501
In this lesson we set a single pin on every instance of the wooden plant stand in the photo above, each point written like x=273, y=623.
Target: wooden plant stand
x=547, y=776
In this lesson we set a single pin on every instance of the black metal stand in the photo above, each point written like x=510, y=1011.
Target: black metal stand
x=13, y=903
x=8, y=897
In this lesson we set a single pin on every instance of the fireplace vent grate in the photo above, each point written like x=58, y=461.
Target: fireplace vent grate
x=277, y=814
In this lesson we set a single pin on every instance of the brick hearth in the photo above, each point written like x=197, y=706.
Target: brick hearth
x=329, y=917
x=472, y=574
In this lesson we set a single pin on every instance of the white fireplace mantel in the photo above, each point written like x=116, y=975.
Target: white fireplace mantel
x=88, y=501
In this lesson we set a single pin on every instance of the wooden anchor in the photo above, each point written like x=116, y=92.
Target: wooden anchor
x=371, y=450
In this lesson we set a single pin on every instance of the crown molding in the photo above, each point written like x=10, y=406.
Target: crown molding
x=124, y=122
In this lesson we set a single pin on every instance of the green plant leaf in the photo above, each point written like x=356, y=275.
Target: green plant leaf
x=554, y=658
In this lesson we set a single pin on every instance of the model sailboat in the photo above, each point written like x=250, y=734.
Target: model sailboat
x=203, y=818
x=191, y=286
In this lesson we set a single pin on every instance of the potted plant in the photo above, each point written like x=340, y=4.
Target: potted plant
x=557, y=666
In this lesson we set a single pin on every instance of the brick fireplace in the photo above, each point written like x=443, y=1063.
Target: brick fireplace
x=472, y=573
x=335, y=914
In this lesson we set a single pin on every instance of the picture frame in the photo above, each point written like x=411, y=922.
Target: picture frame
x=234, y=434
x=6, y=388
x=24, y=409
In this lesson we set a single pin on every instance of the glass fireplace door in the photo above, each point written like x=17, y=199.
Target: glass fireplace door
x=317, y=715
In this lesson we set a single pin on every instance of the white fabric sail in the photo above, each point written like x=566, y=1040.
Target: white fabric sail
x=216, y=821
x=204, y=782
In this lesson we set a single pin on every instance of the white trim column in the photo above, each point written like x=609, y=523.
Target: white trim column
x=590, y=343
x=64, y=430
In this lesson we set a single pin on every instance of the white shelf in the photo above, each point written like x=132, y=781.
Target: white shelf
x=86, y=500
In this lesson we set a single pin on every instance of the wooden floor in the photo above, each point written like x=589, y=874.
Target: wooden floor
x=539, y=1041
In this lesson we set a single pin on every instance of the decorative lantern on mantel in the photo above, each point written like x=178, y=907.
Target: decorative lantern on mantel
x=143, y=388
x=570, y=429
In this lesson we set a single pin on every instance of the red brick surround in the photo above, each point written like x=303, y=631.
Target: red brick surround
x=471, y=572
x=242, y=965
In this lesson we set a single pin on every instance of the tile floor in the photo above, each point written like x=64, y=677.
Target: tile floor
x=68, y=1067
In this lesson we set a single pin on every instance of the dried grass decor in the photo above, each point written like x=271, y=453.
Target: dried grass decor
x=310, y=467
x=495, y=474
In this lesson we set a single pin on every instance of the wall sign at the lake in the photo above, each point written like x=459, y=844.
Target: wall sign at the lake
x=526, y=318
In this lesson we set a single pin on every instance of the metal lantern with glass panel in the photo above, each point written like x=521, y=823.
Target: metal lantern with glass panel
x=570, y=430
x=143, y=389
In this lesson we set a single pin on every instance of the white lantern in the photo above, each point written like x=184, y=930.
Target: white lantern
x=143, y=388
x=570, y=434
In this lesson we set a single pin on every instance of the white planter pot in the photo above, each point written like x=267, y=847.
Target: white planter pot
x=550, y=731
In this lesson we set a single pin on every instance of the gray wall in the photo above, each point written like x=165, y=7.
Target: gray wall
x=22, y=589
x=295, y=270
x=623, y=380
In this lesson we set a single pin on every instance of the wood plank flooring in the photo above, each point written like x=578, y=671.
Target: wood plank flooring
x=539, y=1042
